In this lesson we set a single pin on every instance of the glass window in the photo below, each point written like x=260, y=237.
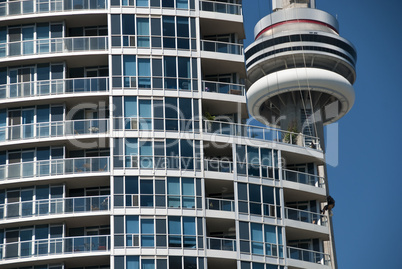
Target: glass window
x=130, y=106
x=132, y=262
x=115, y=19
x=266, y=157
x=174, y=225
x=175, y=262
x=144, y=73
x=167, y=3
x=145, y=114
x=147, y=231
x=143, y=32
x=170, y=66
x=128, y=24
x=173, y=191
x=188, y=226
x=252, y=155
x=132, y=225
x=131, y=185
x=142, y=3
x=131, y=146
x=270, y=234
x=254, y=193
x=188, y=186
x=243, y=227
x=182, y=4
x=42, y=71
x=147, y=264
x=182, y=27
x=129, y=65
x=42, y=31
x=184, y=67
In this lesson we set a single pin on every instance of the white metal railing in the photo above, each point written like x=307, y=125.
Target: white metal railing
x=217, y=165
x=263, y=133
x=54, y=87
x=221, y=243
x=220, y=204
x=54, y=167
x=53, y=45
x=222, y=47
x=309, y=255
x=22, y=7
x=55, y=206
x=305, y=216
x=157, y=162
x=303, y=178
x=55, y=246
x=221, y=7
x=226, y=88
x=53, y=129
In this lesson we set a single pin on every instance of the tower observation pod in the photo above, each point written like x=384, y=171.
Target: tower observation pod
x=300, y=70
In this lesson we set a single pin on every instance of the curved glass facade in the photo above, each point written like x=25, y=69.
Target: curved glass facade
x=125, y=143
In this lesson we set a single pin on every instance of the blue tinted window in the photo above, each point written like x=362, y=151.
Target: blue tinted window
x=182, y=4
x=132, y=262
x=131, y=146
x=129, y=65
x=174, y=225
x=130, y=106
x=188, y=226
x=142, y=3
x=132, y=226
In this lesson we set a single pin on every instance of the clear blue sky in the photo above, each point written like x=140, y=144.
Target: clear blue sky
x=366, y=184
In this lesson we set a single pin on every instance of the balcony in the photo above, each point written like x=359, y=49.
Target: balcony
x=157, y=162
x=227, y=8
x=53, y=45
x=303, y=178
x=222, y=47
x=55, y=246
x=261, y=133
x=48, y=207
x=56, y=167
x=309, y=256
x=221, y=244
x=25, y=7
x=54, y=87
x=224, y=88
x=220, y=204
x=305, y=216
x=53, y=129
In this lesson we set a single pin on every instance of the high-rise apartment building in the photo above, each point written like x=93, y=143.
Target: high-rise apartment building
x=124, y=140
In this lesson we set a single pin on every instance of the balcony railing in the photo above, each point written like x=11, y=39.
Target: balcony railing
x=55, y=246
x=305, y=216
x=225, y=88
x=54, y=167
x=309, y=256
x=216, y=165
x=220, y=204
x=12, y=8
x=263, y=133
x=53, y=45
x=221, y=244
x=222, y=47
x=157, y=162
x=303, y=178
x=54, y=87
x=213, y=6
x=53, y=129
x=55, y=206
